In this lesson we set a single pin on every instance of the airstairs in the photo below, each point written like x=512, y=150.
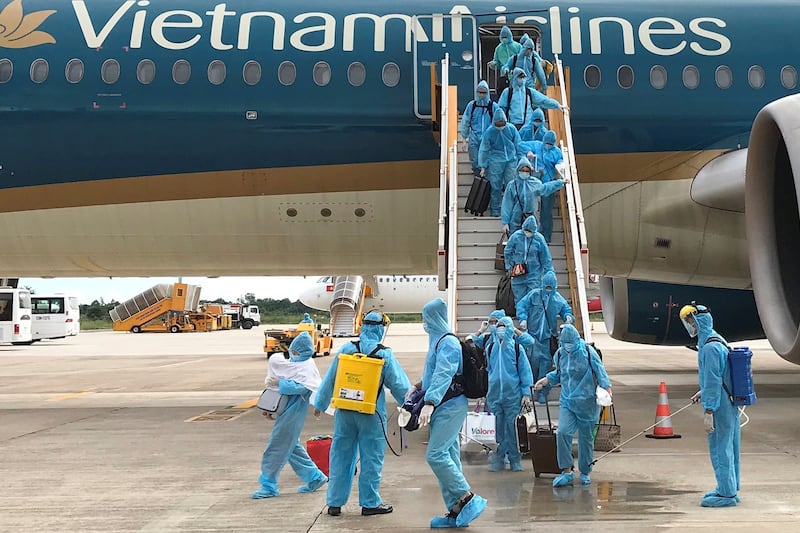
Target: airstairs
x=348, y=296
x=467, y=243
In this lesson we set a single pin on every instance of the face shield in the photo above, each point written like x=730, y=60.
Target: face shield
x=687, y=317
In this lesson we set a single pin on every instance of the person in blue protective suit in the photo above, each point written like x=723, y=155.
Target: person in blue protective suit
x=549, y=156
x=535, y=128
x=488, y=330
x=359, y=434
x=721, y=417
x=510, y=382
x=307, y=319
x=445, y=410
x=498, y=155
x=538, y=313
x=519, y=200
x=527, y=247
x=530, y=62
x=507, y=49
x=297, y=378
x=580, y=371
x=519, y=100
x=477, y=117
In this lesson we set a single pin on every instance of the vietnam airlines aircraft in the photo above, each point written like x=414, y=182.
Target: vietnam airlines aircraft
x=388, y=294
x=176, y=137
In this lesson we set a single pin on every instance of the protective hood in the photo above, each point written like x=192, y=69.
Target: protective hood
x=527, y=45
x=506, y=32
x=524, y=39
x=509, y=324
x=538, y=114
x=434, y=319
x=499, y=114
x=523, y=162
x=570, y=340
x=550, y=279
x=705, y=324
x=371, y=334
x=498, y=314
x=301, y=348
x=530, y=224
x=514, y=76
x=307, y=318
x=485, y=86
x=549, y=137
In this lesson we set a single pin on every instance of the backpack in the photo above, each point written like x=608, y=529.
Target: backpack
x=741, y=375
x=474, y=380
x=489, y=107
x=528, y=98
x=517, y=346
x=505, y=296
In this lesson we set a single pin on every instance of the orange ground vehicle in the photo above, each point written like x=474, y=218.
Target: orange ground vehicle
x=278, y=340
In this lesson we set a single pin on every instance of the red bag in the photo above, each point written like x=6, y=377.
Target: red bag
x=319, y=449
x=519, y=270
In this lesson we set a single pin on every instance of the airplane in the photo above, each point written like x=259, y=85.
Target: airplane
x=390, y=293
x=154, y=137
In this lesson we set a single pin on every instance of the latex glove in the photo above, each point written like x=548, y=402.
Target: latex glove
x=542, y=383
x=272, y=382
x=505, y=71
x=505, y=228
x=696, y=397
x=563, y=108
x=570, y=319
x=464, y=147
x=425, y=415
x=530, y=155
x=484, y=327
x=410, y=391
x=483, y=172
x=708, y=422
x=526, y=404
x=523, y=325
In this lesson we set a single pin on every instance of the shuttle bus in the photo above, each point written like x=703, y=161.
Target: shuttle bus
x=15, y=316
x=55, y=316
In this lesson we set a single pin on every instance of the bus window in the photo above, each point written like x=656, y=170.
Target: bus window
x=15, y=316
x=55, y=317
x=6, y=306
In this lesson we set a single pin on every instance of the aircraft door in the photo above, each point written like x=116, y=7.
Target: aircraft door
x=434, y=36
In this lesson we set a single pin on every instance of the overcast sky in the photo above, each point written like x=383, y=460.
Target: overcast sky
x=121, y=289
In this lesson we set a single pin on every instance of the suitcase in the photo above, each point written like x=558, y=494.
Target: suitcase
x=542, y=444
x=319, y=449
x=479, y=195
x=523, y=422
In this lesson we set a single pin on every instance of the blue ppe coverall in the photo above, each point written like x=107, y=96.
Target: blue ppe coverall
x=579, y=409
x=533, y=252
x=510, y=379
x=516, y=101
x=531, y=64
x=519, y=200
x=284, y=445
x=540, y=308
x=548, y=156
x=498, y=154
x=307, y=319
x=535, y=128
x=476, y=119
x=442, y=363
x=358, y=433
x=725, y=441
x=482, y=340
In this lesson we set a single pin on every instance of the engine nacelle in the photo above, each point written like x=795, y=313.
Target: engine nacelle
x=773, y=223
x=647, y=312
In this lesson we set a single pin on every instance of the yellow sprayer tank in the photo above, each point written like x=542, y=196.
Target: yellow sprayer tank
x=358, y=378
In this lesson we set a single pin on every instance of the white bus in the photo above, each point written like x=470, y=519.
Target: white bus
x=55, y=316
x=15, y=316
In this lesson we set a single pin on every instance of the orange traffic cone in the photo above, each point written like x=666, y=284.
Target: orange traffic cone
x=663, y=427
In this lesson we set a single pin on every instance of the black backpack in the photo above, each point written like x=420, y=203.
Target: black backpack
x=489, y=108
x=474, y=380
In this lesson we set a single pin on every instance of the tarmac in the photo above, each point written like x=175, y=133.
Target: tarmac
x=100, y=433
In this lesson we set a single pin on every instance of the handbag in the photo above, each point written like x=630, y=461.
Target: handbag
x=553, y=345
x=499, y=253
x=520, y=269
x=272, y=401
x=607, y=435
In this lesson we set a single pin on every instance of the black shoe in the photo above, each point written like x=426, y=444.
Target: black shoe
x=383, y=508
x=334, y=511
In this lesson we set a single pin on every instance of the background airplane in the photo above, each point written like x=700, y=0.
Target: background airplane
x=389, y=294
x=154, y=138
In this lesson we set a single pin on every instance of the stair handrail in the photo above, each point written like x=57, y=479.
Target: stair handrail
x=580, y=249
x=442, y=251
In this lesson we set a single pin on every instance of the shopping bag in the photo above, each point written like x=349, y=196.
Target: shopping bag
x=272, y=401
x=478, y=428
x=607, y=435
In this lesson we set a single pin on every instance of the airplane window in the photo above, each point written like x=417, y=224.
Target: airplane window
x=414, y=280
x=691, y=77
x=181, y=71
x=724, y=77
x=216, y=72
x=39, y=70
x=110, y=71
x=788, y=77
x=591, y=76
x=625, y=76
x=252, y=72
x=322, y=74
x=658, y=77
x=146, y=71
x=287, y=73
x=356, y=74
x=74, y=70
x=391, y=74
x=6, y=70
x=756, y=77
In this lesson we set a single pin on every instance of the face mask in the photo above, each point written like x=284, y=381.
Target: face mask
x=482, y=97
x=524, y=175
x=520, y=82
x=537, y=123
x=528, y=233
x=501, y=332
x=500, y=124
x=568, y=346
x=528, y=53
x=548, y=146
x=504, y=40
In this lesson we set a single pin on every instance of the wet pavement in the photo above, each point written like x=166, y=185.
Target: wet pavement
x=96, y=434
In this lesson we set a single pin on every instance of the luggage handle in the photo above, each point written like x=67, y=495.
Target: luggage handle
x=536, y=417
x=613, y=421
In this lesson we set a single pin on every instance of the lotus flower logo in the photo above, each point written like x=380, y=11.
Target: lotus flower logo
x=18, y=30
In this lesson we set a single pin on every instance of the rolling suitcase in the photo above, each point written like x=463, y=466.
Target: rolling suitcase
x=542, y=443
x=479, y=195
x=523, y=423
